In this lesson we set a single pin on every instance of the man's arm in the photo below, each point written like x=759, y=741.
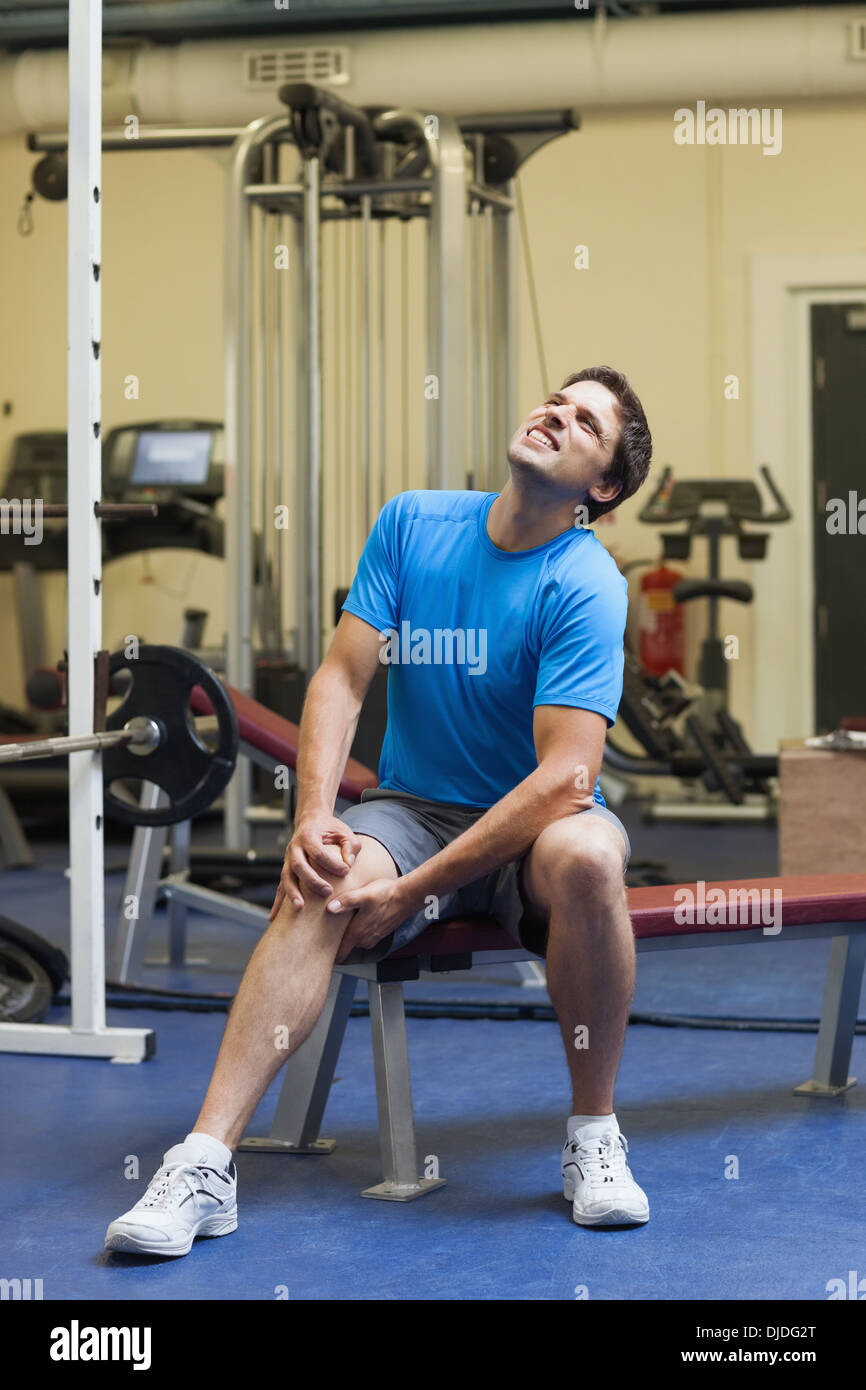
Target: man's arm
x=330, y=714
x=569, y=744
x=321, y=843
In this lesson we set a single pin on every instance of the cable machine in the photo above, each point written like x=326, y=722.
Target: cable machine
x=370, y=347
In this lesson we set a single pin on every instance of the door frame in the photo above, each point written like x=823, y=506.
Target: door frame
x=781, y=292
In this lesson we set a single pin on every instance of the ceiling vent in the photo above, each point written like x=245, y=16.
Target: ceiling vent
x=269, y=68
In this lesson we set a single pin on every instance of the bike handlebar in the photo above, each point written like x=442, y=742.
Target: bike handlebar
x=782, y=512
x=656, y=512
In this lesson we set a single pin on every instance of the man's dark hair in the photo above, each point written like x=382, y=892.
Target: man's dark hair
x=631, y=458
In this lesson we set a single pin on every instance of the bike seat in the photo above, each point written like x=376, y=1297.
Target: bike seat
x=737, y=589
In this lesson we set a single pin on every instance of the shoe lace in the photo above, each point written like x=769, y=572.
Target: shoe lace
x=602, y=1158
x=163, y=1189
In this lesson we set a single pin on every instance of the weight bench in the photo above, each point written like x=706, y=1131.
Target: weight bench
x=813, y=906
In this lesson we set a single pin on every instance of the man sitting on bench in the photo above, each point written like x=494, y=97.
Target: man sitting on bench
x=502, y=619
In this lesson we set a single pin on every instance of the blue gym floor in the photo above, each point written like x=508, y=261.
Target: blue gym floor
x=491, y=1101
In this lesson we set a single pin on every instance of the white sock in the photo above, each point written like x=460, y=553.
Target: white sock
x=576, y=1122
x=216, y=1152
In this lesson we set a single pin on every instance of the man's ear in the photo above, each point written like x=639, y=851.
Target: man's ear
x=605, y=492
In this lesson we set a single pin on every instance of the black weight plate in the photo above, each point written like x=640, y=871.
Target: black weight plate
x=25, y=989
x=192, y=776
x=51, y=958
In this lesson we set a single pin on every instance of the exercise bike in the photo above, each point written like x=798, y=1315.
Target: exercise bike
x=687, y=732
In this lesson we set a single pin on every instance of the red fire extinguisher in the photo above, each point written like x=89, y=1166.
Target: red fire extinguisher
x=662, y=625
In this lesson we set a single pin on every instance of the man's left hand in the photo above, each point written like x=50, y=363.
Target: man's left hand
x=377, y=909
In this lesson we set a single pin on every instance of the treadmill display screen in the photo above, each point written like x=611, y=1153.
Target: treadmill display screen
x=171, y=458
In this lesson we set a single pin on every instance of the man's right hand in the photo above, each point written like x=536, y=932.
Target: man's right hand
x=320, y=845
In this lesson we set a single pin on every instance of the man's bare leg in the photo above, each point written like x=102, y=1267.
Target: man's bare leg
x=280, y=997
x=574, y=878
x=577, y=884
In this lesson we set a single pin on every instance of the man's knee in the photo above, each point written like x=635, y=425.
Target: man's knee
x=372, y=861
x=578, y=856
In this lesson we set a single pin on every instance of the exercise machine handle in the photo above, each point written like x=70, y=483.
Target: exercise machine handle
x=658, y=508
x=782, y=512
x=655, y=510
x=521, y=122
x=302, y=98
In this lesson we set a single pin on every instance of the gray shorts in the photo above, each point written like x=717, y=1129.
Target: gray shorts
x=413, y=829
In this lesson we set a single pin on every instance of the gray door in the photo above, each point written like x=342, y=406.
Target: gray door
x=839, y=470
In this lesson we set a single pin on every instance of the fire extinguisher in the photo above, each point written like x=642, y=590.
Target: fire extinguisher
x=662, y=623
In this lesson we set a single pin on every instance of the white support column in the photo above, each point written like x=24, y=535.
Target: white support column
x=239, y=390
x=446, y=321
x=87, y=1035
x=504, y=345
x=84, y=578
x=446, y=295
x=238, y=493
x=313, y=462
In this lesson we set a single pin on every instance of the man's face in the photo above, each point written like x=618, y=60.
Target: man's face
x=569, y=441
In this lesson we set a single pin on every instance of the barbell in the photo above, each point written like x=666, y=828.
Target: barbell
x=151, y=737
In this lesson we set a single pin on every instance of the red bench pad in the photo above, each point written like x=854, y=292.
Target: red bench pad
x=807, y=899
x=277, y=738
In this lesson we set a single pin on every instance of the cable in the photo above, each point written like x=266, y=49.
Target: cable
x=533, y=295
x=149, y=577
x=404, y=353
x=741, y=1025
x=119, y=996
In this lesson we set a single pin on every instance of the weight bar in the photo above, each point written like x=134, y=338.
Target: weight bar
x=108, y=511
x=141, y=735
x=151, y=737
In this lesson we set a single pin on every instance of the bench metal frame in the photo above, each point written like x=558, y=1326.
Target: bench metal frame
x=309, y=1072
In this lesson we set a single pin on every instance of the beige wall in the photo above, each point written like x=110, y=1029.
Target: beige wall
x=162, y=241
x=670, y=230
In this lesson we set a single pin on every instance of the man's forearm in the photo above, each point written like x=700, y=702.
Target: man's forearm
x=503, y=833
x=328, y=724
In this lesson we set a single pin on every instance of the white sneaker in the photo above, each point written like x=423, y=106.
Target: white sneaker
x=183, y=1200
x=597, y=1180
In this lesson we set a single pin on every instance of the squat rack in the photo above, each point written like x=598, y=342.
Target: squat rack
x=86, y=1034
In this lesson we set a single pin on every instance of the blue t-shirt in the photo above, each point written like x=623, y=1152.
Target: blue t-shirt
x=475, y=637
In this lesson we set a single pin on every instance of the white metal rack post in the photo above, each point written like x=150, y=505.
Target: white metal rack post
x=86, y=1035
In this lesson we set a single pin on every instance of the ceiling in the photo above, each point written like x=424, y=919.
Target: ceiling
x=45, y=22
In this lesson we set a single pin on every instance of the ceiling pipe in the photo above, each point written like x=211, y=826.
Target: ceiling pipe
x=763, y=56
